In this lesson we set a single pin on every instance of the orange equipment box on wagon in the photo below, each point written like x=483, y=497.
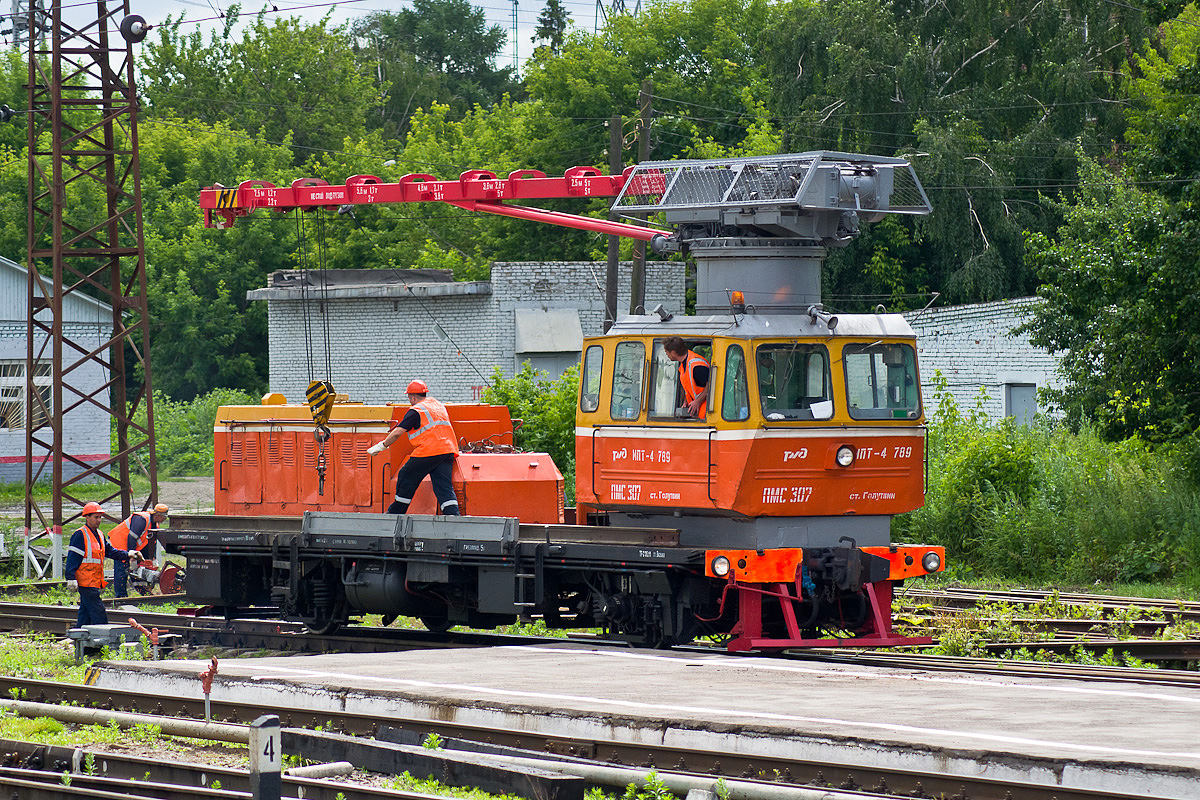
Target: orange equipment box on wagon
x=266, y=461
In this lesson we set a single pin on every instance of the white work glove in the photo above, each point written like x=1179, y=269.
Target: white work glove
x=134, y=555
x=376, y=449
x=72, y=585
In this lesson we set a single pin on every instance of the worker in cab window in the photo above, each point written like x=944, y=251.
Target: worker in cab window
x=693, y=374
x=435, y=447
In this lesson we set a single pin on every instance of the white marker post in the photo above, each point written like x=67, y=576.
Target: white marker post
x=266, y=759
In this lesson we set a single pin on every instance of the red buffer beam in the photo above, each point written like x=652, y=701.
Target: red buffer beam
x=474, y=190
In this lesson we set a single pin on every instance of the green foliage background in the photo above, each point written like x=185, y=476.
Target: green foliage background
x=1045, y=504
x=183, y=430
x=1001, y=109
x=546, y=406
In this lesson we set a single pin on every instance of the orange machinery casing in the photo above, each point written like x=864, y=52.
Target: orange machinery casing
x=265, y=463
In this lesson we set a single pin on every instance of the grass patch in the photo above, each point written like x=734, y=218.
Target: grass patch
x=653, y=789
x=140, y=738
x=40, y=656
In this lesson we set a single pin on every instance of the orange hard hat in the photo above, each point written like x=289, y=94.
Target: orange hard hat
x=418, y=387
x=92, y=508
x=162, y=508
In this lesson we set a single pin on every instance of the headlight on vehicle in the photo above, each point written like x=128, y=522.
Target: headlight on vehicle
x=720, y=566
x=931, y=562
x=845, y=455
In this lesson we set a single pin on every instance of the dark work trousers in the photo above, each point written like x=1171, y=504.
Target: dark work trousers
x=91, y=608
x=120, y=578
x=439, y=468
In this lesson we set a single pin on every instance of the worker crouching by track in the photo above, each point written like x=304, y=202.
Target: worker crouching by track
x=143, y=525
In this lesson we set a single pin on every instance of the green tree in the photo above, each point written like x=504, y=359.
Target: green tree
x=1120, y=285
x=502, y=138
x=204, y=333
x=990, y=100
x=439, y=51
x=552, y=25
x=1116, y=282
x=284, y=78
x=704, y=58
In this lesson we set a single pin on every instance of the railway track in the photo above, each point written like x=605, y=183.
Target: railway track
x=35, y=772
x=251, y=635
x=289, y=637
x=872, y=781
x=958, y=598
x=272, y=634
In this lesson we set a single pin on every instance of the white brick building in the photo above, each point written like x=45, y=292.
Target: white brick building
x=974, y=347
x=386, y=327
x=87, y=322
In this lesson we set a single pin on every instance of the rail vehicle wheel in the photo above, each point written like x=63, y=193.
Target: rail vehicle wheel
x=437, y=623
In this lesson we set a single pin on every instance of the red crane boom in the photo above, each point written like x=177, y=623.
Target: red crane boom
x=474, y=190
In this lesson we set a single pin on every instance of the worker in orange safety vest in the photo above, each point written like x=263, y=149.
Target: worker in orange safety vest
x=143, y=525
x=84, y=569
x=427, y=423
x=693, y=374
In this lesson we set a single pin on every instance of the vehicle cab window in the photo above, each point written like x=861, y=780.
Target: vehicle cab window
x=629, y=364
x=735, y=402
x=881, y=381
x=669, y=394
x=589, y=384
x=793, y=381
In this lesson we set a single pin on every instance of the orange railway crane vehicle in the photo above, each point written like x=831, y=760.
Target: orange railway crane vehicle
x=759, y=513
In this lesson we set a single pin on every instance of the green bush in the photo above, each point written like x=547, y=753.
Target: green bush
x=183, y=430
x=546, y=407
x=1046, y=504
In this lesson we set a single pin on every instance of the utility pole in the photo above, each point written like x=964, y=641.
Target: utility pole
x=616, y=164
x=85, y=242
x=637, y=289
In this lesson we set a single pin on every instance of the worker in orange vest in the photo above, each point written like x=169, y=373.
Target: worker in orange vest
x=435, y=447
x=85, y=566
x=144, y=527
x=693, y=374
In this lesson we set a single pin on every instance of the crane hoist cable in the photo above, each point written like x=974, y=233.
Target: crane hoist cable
x=320, y=393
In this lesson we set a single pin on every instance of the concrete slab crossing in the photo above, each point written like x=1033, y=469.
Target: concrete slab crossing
x=1102, y=736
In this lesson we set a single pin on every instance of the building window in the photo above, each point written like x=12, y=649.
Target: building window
x=12, y=393
x=549, y=340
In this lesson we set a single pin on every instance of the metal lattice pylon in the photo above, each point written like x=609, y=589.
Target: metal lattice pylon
x=614, y=8
x=85, y=239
